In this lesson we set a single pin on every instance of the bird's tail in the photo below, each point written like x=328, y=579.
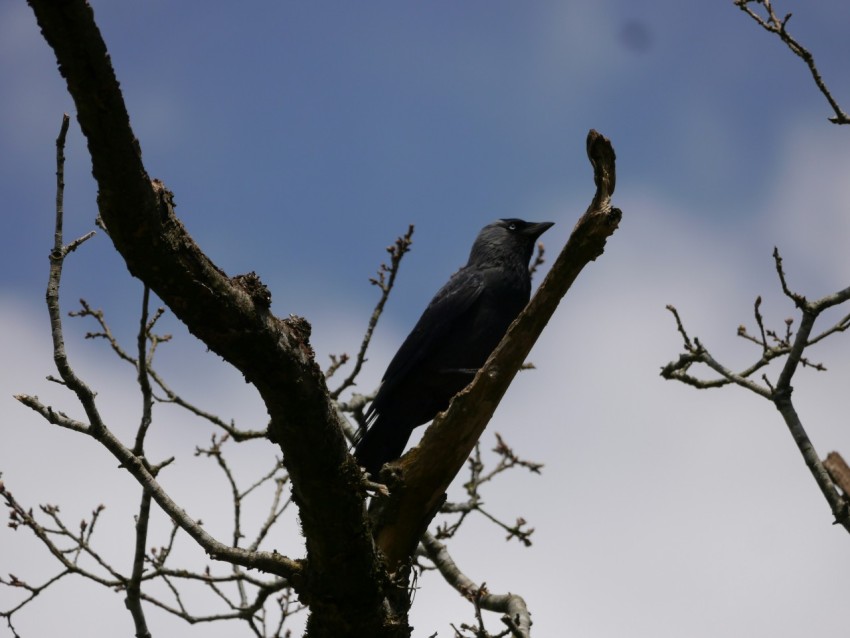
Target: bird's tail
x=383, y=442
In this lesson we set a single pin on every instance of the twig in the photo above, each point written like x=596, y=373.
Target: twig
x=539, y=259
x=696, y=352
x=238, y=495
x=385, y=281
x=133, y=599
x=791, y=346
x=134, y=460
x=774, y=24
x=57, y=256
x=516, y=615
x=337, y=361
x=276, y=509
x=105, y=332
x=21, y=516
x=96, y=428
x=142, y=377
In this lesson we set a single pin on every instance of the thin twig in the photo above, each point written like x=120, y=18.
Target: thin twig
x=515, y=611
x=791, y=346
x=508, y=459
x=133, y=599
x=142, y=377
x=539, y=259
x=773, y=24
x=171, y=396
x=385, y=281
x=273, y=563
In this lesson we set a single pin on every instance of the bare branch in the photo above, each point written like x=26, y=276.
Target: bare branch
x=773, y=24
x=79, y=543
x=508, y=460
x=838, y=504
x=142, y=378
x=782, y=396
x=840, y=326
x=789, y=345
x=539, y=259
x=681, y=328
x=229, y=427
x=238, y=495
x=799, y=300
x=68, y=557
x=96, y=428
x=696, y=352
x=133, y=600
x=276, y=509
x=272, y=563
x=426, y=471
x=516, y=615
x=385, y=281
x=171, y=396
x=232, y=316
x=337, y=361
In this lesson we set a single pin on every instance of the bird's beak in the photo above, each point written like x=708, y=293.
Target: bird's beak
x=535, y=230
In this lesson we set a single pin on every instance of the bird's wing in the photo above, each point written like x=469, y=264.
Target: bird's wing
x=447, y=306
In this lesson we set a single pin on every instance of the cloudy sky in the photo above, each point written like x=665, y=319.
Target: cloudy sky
x=301, y=138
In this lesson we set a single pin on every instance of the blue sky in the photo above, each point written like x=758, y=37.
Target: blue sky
x=301, y=138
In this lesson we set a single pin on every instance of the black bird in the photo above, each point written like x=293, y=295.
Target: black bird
x=459, y=329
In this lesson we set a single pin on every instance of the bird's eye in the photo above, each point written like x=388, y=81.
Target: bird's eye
x=511, y=226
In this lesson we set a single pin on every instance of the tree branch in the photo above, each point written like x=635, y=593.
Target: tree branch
x=424, y=473
x=133, y=600
x=773, y=24
x=232, y=317
x=516, y=615
x=790, y=346
x=132, y=460
x=270, y=562
x=385, y=281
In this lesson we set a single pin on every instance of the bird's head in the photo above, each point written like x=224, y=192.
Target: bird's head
x=507, y=240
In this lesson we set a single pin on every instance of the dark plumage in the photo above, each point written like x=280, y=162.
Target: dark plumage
x=459, y=329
